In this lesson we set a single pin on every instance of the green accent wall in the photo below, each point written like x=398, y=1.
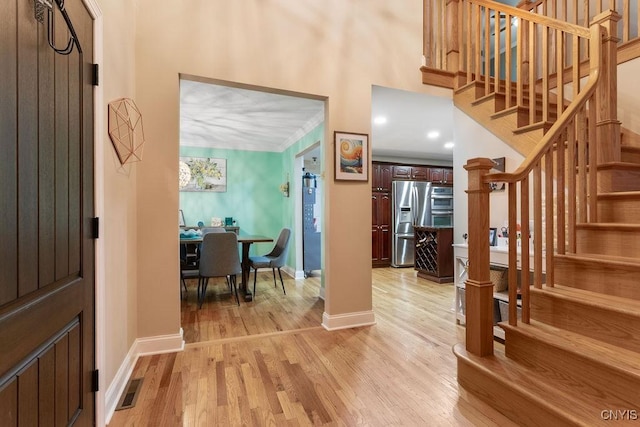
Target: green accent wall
x=253, y=196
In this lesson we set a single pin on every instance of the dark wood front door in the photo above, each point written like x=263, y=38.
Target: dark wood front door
x=46, y=206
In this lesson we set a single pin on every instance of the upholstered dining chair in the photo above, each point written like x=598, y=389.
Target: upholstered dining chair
x=218, y=258
x=274, y=259
x=188, y=267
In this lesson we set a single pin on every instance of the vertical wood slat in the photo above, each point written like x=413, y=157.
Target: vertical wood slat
x=427, y=34
x=532, y=72
x=28, y=395
x=62, y=381
x=46, y=385
x=571, y=184
x=537, y=226
x=61, y=159
x=545, y=72
x=440, y=37
x=593, y=160
x=560, y=195
x=560, y=75
x=9, y=154
x=468, y=8
x=508, y=62
x=75, y=371
x=549, y=217
x=520, y=57
x=27, y=151
x=496, y=50
x=513, y=253
x=487, y=49
x=582, y=167
x=526, y=231
x=46, y=144
x=626, y=21
x=9, y=404
x=478, y=45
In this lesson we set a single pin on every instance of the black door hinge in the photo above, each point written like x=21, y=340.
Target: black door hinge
x=95, y=80
x=95, y=228
x=95, y=381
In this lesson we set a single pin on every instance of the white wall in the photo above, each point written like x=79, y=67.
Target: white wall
x=472, y=140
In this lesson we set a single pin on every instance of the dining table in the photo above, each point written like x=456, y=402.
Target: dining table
x=245, y=241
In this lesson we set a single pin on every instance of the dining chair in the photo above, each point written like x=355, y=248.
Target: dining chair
x=274, y=259
x=218, y=258
x=188, y=267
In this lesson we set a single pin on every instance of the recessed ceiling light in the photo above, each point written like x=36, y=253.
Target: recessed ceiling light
x=448, y=145
x=380, y=120
x=433, y=134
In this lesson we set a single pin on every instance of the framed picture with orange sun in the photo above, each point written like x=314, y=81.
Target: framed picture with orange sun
x=352, y=156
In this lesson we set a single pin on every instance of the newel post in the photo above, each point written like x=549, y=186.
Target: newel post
x=606, y=93
x=478, y=286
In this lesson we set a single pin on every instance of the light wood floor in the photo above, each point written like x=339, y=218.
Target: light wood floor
x=269, y=362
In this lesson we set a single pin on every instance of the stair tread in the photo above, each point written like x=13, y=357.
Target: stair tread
x=596, y=299
x=619, y=165
x=618, y=358
x=618, y=261
x=608, y=225
x=509, y=373
x=620, y=195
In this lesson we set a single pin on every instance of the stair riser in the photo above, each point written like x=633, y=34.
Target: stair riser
x=620, y=210
x=508, y=401
x=598, y=277
x=619, y=329
x=569, y=368
x=614, y=180
x=619, y=242
x=630, y=156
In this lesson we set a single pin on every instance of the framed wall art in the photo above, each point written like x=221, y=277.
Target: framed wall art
x=203, y=174
x=351, y=156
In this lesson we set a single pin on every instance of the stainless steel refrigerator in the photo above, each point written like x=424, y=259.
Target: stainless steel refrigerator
x=411, y=207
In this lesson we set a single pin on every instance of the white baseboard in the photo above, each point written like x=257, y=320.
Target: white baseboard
x=348, y=320
x=298, y=275
x=322, y=292
x=141, y=347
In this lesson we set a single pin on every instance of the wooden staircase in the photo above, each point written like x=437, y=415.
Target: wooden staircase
x=574, y=359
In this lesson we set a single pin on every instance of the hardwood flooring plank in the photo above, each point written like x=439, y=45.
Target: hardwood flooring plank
x=270, y=363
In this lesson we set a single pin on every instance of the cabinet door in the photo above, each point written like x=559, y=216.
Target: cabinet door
x=381, y=228
x=448, y=176
x=436, y=175
x=402, y=172
x=420, y=173
x=384, y=176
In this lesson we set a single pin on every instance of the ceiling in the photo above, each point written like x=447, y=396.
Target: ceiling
x=219, y=116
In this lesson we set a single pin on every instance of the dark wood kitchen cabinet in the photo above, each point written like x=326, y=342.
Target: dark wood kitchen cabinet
x=417, y=173
x=434, y=253
x=381, y=228
x=381, y=176
x=441, y=175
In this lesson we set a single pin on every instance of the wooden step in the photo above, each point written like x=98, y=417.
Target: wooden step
x=630, y=154
x=616, y=276
x=629, y=138
x=594, y=371
x=521, y=395
x=618, y=176
x=622, y=240
x=611, y=319
x=622, y=207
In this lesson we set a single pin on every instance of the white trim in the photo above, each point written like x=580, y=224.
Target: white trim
x=141, y=347
x=299, y=275
x=348, y=320
x=322, y=294
x=99, y=258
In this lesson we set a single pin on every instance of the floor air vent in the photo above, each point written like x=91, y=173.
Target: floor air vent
x=128, y=399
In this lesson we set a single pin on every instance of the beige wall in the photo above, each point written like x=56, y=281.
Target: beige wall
x=335, y=49
x=119, y=202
